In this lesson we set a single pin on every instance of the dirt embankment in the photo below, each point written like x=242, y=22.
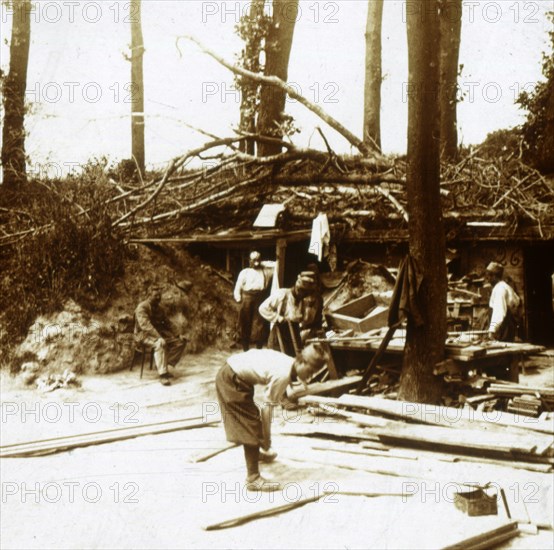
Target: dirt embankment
x=196, y=300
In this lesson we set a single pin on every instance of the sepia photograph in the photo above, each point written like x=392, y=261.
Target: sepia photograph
x=277, y=274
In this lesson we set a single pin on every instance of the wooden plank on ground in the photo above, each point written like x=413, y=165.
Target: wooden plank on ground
x=458, y=441
x=263, y=513
x=487, y=539
x=326, y=430
x=444, y=416
x=59, y=444
x=279, y=509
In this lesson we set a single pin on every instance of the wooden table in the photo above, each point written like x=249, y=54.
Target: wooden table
x=499, y=358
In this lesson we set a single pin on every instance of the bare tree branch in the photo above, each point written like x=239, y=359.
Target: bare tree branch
x=277, y=82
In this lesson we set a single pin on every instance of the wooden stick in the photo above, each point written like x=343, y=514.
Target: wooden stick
x=207, y=456
x=54, y=445
x=240, y=520
x=278, y=83
x=382, y=347
x=393, y=200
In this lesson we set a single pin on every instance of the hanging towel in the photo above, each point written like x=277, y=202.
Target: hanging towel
x=321, y=236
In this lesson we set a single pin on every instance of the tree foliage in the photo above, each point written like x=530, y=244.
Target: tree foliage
x=253, y=29
x=538, y=129
x=267, y=44
x=75, y=254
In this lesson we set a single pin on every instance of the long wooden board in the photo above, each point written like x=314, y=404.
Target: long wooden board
x=59, y=444
x=331, y=386
x=263, y=513
x=459, y=441
x=487, y=539
x=445, y=416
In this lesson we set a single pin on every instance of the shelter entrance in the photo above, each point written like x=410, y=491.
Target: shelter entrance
x=539, y=270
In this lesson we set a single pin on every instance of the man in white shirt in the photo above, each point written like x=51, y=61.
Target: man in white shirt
x=503, y=302
x=244, y=422
x=249, y=293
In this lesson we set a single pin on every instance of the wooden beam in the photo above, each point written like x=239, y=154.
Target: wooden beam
x=339, y=386
x=280, y=253
x=445, y=416
x=487, y=539
x=64, y=443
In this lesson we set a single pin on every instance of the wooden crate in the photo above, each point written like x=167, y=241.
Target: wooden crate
x=360, y=315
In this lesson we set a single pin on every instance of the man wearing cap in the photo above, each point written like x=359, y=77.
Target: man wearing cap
x=152, y=331
x=286, y=308
x=249, y=292
x=247, y=424
x=503, y=302
x=313, y=320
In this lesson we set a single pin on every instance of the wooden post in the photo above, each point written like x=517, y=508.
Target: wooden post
x=227, y=260
x=280, y=252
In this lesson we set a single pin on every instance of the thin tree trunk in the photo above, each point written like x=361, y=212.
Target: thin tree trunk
x=249, y=88
x=15, y=84
x=545, y=147
x=450, y=29
x=137, y=87
x=373, y=76
x=424, y=343
x=277, y=52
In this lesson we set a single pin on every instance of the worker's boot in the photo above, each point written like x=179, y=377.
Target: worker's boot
x=259, y=483
x=164, y=380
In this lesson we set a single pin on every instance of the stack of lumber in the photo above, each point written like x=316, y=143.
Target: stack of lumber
x=526, y=404
x=497, y=435
x=516, y=391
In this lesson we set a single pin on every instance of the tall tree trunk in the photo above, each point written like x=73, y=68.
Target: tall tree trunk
x=450, y=29
x=545, y=146
x=15, y=84
x=137, y=86
x=277, y=55
x=424, y=343
x=249, y=88
x=373, y=76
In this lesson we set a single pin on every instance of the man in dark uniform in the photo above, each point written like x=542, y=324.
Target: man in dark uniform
x=153, y=331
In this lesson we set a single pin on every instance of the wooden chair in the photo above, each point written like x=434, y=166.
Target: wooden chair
x=142, y=349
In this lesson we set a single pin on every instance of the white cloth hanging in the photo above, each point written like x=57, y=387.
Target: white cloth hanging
x=321, y=236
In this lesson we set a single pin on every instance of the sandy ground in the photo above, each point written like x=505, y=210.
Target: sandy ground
x=149, y=492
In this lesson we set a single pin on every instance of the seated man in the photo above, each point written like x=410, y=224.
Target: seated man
x=152, y=329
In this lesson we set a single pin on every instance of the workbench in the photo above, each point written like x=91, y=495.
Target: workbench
x=501, y=359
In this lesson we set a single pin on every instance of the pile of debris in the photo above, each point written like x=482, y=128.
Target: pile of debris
x=481, y=456
x=81, y=341
x=358, y=279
